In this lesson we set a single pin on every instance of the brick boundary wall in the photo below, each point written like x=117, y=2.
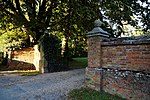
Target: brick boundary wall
x=24, y=59
x=120, y=66
x=21, y=59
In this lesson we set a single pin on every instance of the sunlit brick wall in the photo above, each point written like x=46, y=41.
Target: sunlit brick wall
x=24, y=54
x=22, y=59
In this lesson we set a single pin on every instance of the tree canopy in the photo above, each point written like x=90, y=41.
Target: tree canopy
x=72, y=18
x=38, y=16
x=11, y=37
x=123, y=12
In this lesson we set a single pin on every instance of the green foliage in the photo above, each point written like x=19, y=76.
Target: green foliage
x=11, y=38
x=50, y=44
x=76, y=18
x=78, y=45
x=139, y=32
x=89, y=94
x=73, y=18
x=50, y=49
x=123, y=12
x=64, y=15
x=38, y=16
x=69, y=18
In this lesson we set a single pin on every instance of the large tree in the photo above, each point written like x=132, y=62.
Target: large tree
x=37, y=16
x=73, y=18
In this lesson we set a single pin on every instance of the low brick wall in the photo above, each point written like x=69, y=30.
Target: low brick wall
x=127, y=84
x=120, y=66
x=22, y=59
x=126, y=57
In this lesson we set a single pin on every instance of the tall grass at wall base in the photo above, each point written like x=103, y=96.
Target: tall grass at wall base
x=90, y=94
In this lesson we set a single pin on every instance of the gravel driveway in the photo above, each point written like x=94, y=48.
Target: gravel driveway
x=48, y=86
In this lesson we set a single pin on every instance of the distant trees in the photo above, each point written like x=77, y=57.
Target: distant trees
x=125, y=12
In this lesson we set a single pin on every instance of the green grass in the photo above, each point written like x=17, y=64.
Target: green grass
x=28, y=73
x=76, y=63
x=89, y=94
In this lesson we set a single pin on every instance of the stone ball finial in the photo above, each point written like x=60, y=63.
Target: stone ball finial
x=98, y=23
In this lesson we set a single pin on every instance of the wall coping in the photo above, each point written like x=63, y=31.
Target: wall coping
x=134, y=40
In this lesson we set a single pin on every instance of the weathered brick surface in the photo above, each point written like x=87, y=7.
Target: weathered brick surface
x=93, y=78
x=124, y=63
x=22, y=59
x=24, y=54
x=127, y=57
x=127, y=84
x=94, y=48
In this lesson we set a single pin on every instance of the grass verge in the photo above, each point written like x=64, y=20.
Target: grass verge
x=76, y=63
x=28, y=73
x=90, y=94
